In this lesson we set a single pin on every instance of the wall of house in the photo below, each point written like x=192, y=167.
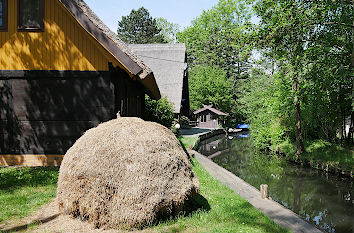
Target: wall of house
x=208, y=119
x=55, y=85
x=42, y=113
x=129, y=95
x=47, y=115
x=64, y=44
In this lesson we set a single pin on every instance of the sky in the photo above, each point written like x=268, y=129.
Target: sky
x=181, y=12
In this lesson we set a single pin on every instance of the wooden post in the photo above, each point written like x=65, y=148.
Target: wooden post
x=264, y=191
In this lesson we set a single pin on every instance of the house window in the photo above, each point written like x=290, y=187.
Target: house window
x=3, y=15
x=30, y=15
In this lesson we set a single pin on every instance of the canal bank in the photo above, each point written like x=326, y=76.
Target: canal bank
x=273, y=210
x=279, y=214
x=322, y=199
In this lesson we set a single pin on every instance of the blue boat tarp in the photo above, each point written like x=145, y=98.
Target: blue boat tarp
x=242, y=126
x=243, y=135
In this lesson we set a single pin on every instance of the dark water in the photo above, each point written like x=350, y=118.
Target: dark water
x=323, y=200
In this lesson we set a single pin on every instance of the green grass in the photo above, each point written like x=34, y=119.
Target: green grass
x=24, y=190
x=216, y=209
x=332, y=153
x=188, y=142
x=224, y=211
x=323, y=151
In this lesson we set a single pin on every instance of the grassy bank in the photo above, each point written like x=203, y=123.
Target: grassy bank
x=216, y=209
x=24, y=190
x=223, y=211
x=188, y=142
x=323, y=152
x=219, y=208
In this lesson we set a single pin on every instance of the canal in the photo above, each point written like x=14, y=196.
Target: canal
x=324, y=200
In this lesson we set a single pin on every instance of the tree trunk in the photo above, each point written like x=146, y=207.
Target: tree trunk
x=298, y=128
x=353, y=41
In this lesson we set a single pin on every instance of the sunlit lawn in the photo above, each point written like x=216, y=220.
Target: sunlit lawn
x=228, y=212
x=23, y=190
x=188, y=142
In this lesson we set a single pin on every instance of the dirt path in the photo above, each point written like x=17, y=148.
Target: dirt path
x=48, y=220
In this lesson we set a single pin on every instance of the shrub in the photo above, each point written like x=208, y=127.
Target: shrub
x=184, y=121
x=160, y=111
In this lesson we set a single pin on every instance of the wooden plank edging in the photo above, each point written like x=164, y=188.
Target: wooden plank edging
x=31, y=160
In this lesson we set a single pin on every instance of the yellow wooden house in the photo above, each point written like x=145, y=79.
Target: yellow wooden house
x=62, y=71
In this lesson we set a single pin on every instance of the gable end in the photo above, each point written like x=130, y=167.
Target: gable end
x=86, y=23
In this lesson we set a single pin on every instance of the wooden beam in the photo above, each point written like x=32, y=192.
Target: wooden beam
x=13, y=74
x=31, y=160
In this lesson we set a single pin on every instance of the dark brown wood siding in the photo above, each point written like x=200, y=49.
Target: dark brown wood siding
x=129, y=95
x=46, y=115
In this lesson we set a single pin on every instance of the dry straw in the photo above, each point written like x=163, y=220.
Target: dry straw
x=125, y=173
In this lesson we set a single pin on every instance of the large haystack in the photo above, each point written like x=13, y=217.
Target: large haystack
x=125, y=173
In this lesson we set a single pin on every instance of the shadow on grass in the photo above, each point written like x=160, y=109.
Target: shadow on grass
x=11, y=178
x=29, y=225
x=197, y=204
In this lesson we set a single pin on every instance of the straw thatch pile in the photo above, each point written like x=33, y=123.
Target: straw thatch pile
x=125, y=173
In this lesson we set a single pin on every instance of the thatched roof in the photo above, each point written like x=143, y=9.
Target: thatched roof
x=111, y=42
x=167, y=61
x=210, y=108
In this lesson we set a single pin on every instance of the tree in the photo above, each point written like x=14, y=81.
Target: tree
x=139, y=28
x=209, y=85
x=220, y=37
x=169, y=30
x=312, y=42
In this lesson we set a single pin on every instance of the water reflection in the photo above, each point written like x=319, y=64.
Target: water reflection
x=326, y=201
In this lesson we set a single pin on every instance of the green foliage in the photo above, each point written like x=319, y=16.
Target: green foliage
x=309, y=43
x=169, y=30
x=323, y=152
x=174, y=129
x=219, y=49
x=139, y=28
x=160, y=111
x=209, y=85
x=23, y=190
x=220, y=37
x=330, y=153
x=184, y=121
x=266, y=101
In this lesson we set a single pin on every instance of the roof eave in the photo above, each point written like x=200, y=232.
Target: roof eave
x=103, y=39
x=128, y=61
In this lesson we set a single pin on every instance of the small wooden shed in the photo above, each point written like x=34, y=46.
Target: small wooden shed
x=209, y=117
x=62, y=71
